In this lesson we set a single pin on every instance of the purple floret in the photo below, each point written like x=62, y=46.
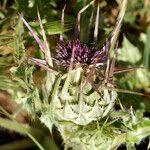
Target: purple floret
x=82, y=53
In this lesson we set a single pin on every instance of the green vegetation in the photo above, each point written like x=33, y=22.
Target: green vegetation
x=53, y=97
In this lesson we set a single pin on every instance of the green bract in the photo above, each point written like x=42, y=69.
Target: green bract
x=80, y=103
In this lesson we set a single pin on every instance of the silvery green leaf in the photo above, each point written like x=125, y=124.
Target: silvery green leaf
x=129, y=52
x=45, y=119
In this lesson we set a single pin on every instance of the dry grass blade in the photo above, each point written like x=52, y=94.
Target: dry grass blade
x=116, y=30
x=40, y=43
x=47, y=50
x=62, y=23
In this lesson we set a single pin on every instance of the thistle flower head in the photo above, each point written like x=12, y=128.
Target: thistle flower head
x=82, y=53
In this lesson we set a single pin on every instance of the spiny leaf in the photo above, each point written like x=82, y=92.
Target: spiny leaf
x=19, y=49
